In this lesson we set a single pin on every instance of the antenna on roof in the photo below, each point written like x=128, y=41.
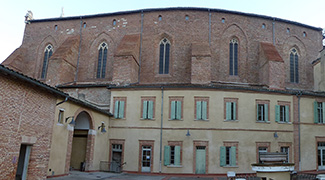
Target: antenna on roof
x=62, y=13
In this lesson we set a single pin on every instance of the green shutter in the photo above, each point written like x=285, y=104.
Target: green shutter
x=222, y=156
x=233, y=156
x=287, y=113
x=116, y=109
x=257, y=112
x=204, y=110
x=166, y=155
x=177, y=155
x=145, y=110
x=266, y=110
x=121, y=111
x=315, y=112
x=323, y=112
x=172, y=110
x=277, y=113
x=150, y=109
x=198, y=110
x=179, y=110
x=234, y=111
x=228, y=110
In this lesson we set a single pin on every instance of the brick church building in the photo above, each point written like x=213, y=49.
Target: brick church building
x=175, y=90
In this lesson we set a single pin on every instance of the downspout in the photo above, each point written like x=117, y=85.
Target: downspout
x=66, y=99
x=161, y=125
x=299, y=146
x=273, y=31
x=209, y=27
x=140, y=53
x=80, y=39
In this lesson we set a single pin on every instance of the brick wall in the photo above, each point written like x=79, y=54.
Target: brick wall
x=25, y=113
x=181, y=32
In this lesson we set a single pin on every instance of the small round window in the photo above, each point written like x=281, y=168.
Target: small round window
x=223, y=20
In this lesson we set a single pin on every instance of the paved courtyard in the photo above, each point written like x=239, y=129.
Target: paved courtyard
x=77, y=175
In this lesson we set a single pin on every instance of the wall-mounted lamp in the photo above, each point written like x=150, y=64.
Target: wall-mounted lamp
x=72, y=122
x=188, y=133
x=102, y=128
x=275, y=135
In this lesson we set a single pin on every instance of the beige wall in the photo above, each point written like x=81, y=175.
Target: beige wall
x=59, y=147
x=246, y=131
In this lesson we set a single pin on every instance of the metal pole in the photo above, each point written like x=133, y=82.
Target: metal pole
x=161, y=125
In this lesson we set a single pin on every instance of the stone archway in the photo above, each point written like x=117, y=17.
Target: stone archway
x=82, y=140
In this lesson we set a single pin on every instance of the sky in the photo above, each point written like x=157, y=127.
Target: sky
x=12, y=12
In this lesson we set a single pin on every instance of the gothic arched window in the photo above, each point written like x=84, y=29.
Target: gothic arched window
x=47, y=54
x=102, y=59
x=233, y=57
x=164, y=51
x=294, y=62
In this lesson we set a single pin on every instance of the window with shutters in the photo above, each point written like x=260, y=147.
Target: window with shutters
x=201, y=108
x=262, y=110
x=294, y=66
x=230, y=109
x=282, y=112
x=119, y=107
x=319, y=108
x=48, y=51
x=176, y=108
x=173, y=153
x=233, y=57
x=102, y=59
x=148, y=107
x=164, y=56
x=229, y=154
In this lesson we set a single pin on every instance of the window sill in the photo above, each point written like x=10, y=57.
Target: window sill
x=204, y=120
x=163, y=75
x=231, y=120
x=147, y=119
x=267, y=122
x=119, y=119
x=228, y=166
x=284, y=122
x=174, y=166
x=175, y=119
x=60, y=124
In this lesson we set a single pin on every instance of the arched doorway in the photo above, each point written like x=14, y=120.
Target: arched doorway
x=81, y=142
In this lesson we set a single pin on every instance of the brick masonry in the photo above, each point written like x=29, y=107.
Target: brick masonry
x=25, y=111
x=126, y=47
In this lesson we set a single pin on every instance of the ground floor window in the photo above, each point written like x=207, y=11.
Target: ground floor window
x=321, y=155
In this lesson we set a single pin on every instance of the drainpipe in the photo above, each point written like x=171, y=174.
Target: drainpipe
x=209, y=27
x=273, y=31
x=299, y=149
x=80, y=39
x=66, y=99
x=140, y=53
x=161, y=125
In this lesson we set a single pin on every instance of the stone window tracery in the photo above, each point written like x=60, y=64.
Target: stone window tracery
x=233, y=57
x=164, y=56
x=102, y=59
x=48, y=51
x=294, y=63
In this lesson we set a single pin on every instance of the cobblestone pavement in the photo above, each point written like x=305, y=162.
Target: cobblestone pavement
x=77, y=175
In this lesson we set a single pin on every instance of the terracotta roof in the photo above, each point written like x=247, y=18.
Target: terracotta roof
x=9, y=72
x=270, y=52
